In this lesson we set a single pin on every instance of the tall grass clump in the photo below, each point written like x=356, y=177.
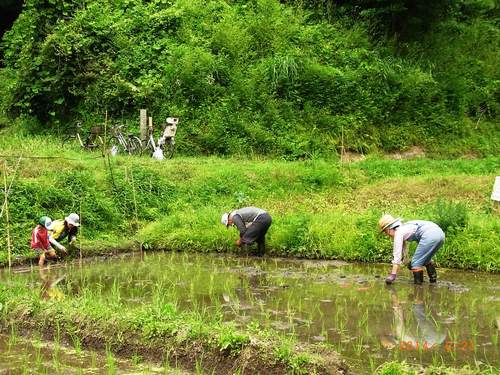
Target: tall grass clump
x=451, y=216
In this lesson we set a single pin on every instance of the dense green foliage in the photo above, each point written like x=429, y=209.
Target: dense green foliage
x=259, y=77
x=320, y=208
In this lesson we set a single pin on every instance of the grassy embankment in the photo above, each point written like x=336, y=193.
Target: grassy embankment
x=320, y=209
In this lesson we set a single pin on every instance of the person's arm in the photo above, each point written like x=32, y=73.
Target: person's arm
x=396, y=254
x=406, y=260
x=54, y=242
x=238, y=222
x=397, y=250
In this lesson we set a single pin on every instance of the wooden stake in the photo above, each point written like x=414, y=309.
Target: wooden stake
x=143, y=125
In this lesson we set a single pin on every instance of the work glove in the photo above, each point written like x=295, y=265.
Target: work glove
x=390, y=279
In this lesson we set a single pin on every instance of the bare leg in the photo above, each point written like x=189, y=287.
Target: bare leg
x=41, y=260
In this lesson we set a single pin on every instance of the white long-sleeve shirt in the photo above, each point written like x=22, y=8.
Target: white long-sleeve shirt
x=400, y=246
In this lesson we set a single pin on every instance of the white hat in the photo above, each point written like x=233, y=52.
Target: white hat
x=225, y=218
x=73, y=219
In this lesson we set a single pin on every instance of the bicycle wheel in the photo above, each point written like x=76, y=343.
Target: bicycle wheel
x=116, y=147
x=134, y=145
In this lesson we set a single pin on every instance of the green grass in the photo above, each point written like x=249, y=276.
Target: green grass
x=320, y=208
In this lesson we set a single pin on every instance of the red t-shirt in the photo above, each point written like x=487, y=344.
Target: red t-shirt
x=40, y=238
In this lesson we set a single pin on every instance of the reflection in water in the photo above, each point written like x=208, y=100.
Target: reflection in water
x=49, y=288
x=412, y=334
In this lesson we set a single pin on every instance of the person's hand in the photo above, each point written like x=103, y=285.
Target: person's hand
x=238, y=242
x=390, y=279
x=64, y=252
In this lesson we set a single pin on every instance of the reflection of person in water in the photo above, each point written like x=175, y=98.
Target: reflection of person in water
x=49, y=289
x=426, y=335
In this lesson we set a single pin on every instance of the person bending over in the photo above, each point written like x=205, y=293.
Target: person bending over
x=252, y=223
x=40, y=241
x=61, y=229
x=429, y=237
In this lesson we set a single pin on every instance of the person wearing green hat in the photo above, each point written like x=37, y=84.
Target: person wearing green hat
x=40, y=240
x=429, y=237
x=252, y=223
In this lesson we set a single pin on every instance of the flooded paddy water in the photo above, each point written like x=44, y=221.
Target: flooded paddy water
x=347, y=306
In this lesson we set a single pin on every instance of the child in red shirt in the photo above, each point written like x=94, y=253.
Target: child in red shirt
x=40, y=240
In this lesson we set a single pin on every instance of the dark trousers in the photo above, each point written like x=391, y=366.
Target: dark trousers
x=257, y=232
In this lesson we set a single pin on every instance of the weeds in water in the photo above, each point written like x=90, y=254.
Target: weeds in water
x=231, y=341
x=13, y=338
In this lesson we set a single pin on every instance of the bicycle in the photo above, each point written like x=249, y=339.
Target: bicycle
x=121, y=144
x=91, y=141
x=165, y=147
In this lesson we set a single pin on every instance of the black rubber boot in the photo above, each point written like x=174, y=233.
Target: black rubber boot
x=431, y=272
x=418, y=277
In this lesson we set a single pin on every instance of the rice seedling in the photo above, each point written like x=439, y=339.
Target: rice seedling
x=13, y=337
x=38, y=353
x=110, y=361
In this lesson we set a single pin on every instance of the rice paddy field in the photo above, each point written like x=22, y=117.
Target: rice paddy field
x=343, y=307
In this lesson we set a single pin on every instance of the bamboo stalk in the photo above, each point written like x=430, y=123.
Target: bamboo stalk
x=105, y=142
x=10, y=185
x=342, y=146
x=6, y=205
x=80, y=234
x=107, y=160
x=133, y=195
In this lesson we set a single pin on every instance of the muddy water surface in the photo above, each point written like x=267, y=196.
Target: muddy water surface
x=345, y=305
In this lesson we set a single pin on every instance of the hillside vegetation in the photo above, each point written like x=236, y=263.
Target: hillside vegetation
x=294, y=79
